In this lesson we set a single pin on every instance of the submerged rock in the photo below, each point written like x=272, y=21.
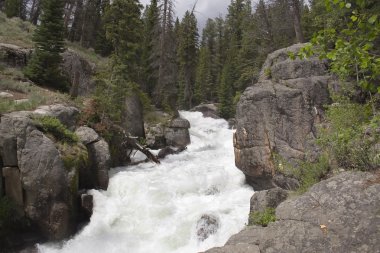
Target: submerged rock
x=207, y=225
x=337, y=215
x=208, y=110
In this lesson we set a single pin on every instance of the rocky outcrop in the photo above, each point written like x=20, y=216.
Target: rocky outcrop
x=277, y=116
x=44, y=179
x=337, y=215
x=80, y=72
x=177, y=133
x=42, y=175
x=13, y=55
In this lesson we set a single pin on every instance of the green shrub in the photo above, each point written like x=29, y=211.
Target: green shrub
x=345, y=139
x=262, y=218
x=54, y=127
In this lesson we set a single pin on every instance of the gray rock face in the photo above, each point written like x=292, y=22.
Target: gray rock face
x=45, y=184
x=155, y=136
x=177, y=134
x=79, y=72
x=337, y=215
x=14, y=56
x=208, y=110
x=100, y=163
x=278, y=115
x=13, y=188
x=267, y=199
x=132, y=116
x=66, y=114
x=87, y=135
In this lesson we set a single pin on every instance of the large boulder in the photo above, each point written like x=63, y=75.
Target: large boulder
x=132, y=116
x=177, y=133
x=68, y=115
x=338, y=215
x=40, y=171
x=277, y=116
x=80, y=72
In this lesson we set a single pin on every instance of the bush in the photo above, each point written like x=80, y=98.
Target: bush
x=53, y=126
x=262, y=218
x=345, y=136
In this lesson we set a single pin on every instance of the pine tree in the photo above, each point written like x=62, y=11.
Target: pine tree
x=187, y=57
x=150, y=55
x=226, y=108
x=44, y=66
x=13, y=8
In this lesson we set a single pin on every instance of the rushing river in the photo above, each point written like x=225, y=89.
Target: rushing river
x=152, y=208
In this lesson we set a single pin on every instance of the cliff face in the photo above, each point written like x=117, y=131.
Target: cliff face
x=277, y=117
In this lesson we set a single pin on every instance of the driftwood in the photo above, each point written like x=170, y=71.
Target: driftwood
x=132, y=142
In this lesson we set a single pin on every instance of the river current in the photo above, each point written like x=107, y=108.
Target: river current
x=152, y=208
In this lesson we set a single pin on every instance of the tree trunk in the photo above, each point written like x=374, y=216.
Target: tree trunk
x=297, y=21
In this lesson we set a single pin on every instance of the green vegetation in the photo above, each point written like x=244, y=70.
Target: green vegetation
x=10, y=222
x=16, y=31
x=44, y=66
x=74, y=155
x=262, y=218
x=53, y=126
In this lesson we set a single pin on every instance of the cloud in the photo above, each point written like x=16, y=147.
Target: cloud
x=204, y=9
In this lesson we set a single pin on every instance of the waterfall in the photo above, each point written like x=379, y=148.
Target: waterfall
x=189, y=203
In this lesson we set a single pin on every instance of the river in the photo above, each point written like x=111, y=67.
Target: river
x=152, y=208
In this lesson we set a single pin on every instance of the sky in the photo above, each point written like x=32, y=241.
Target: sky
x=205, y=9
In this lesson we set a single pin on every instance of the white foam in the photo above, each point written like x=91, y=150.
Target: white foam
x=155, y=208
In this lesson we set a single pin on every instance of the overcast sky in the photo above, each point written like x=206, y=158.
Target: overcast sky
x=205, y=9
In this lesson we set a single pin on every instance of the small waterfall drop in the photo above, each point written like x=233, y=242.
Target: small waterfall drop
x=189, y=203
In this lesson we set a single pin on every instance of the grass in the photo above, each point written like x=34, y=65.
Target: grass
x=53, y=126
x=15, y=31
x=89, y=55
x=262, y=218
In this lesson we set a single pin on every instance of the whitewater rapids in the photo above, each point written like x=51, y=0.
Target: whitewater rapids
x=155, y=208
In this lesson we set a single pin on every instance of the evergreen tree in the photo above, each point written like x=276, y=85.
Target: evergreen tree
x=13, y=8
x=150, y=46
x=44, y=66
x=187, y=57
x=103, y=46
x=226, y=109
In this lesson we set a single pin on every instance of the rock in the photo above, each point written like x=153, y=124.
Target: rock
x=8, y=150
x=100, y=163
x=5, y=95
x=207, y=225
x=208, y=110
x=169, y=151
x=45, y=184
x=232, y=123
x=21, y=101
x=80, y=72
x=13, y=55
x=177, y=134
x=87, y=135
x=13, y=188
x=239, y=248
x=87, y=203
x=286, y=183
x=267, y=199
x=132, y=116
x=66, y=114
x=278, y=114
x=339, y=215
x=155, y=136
